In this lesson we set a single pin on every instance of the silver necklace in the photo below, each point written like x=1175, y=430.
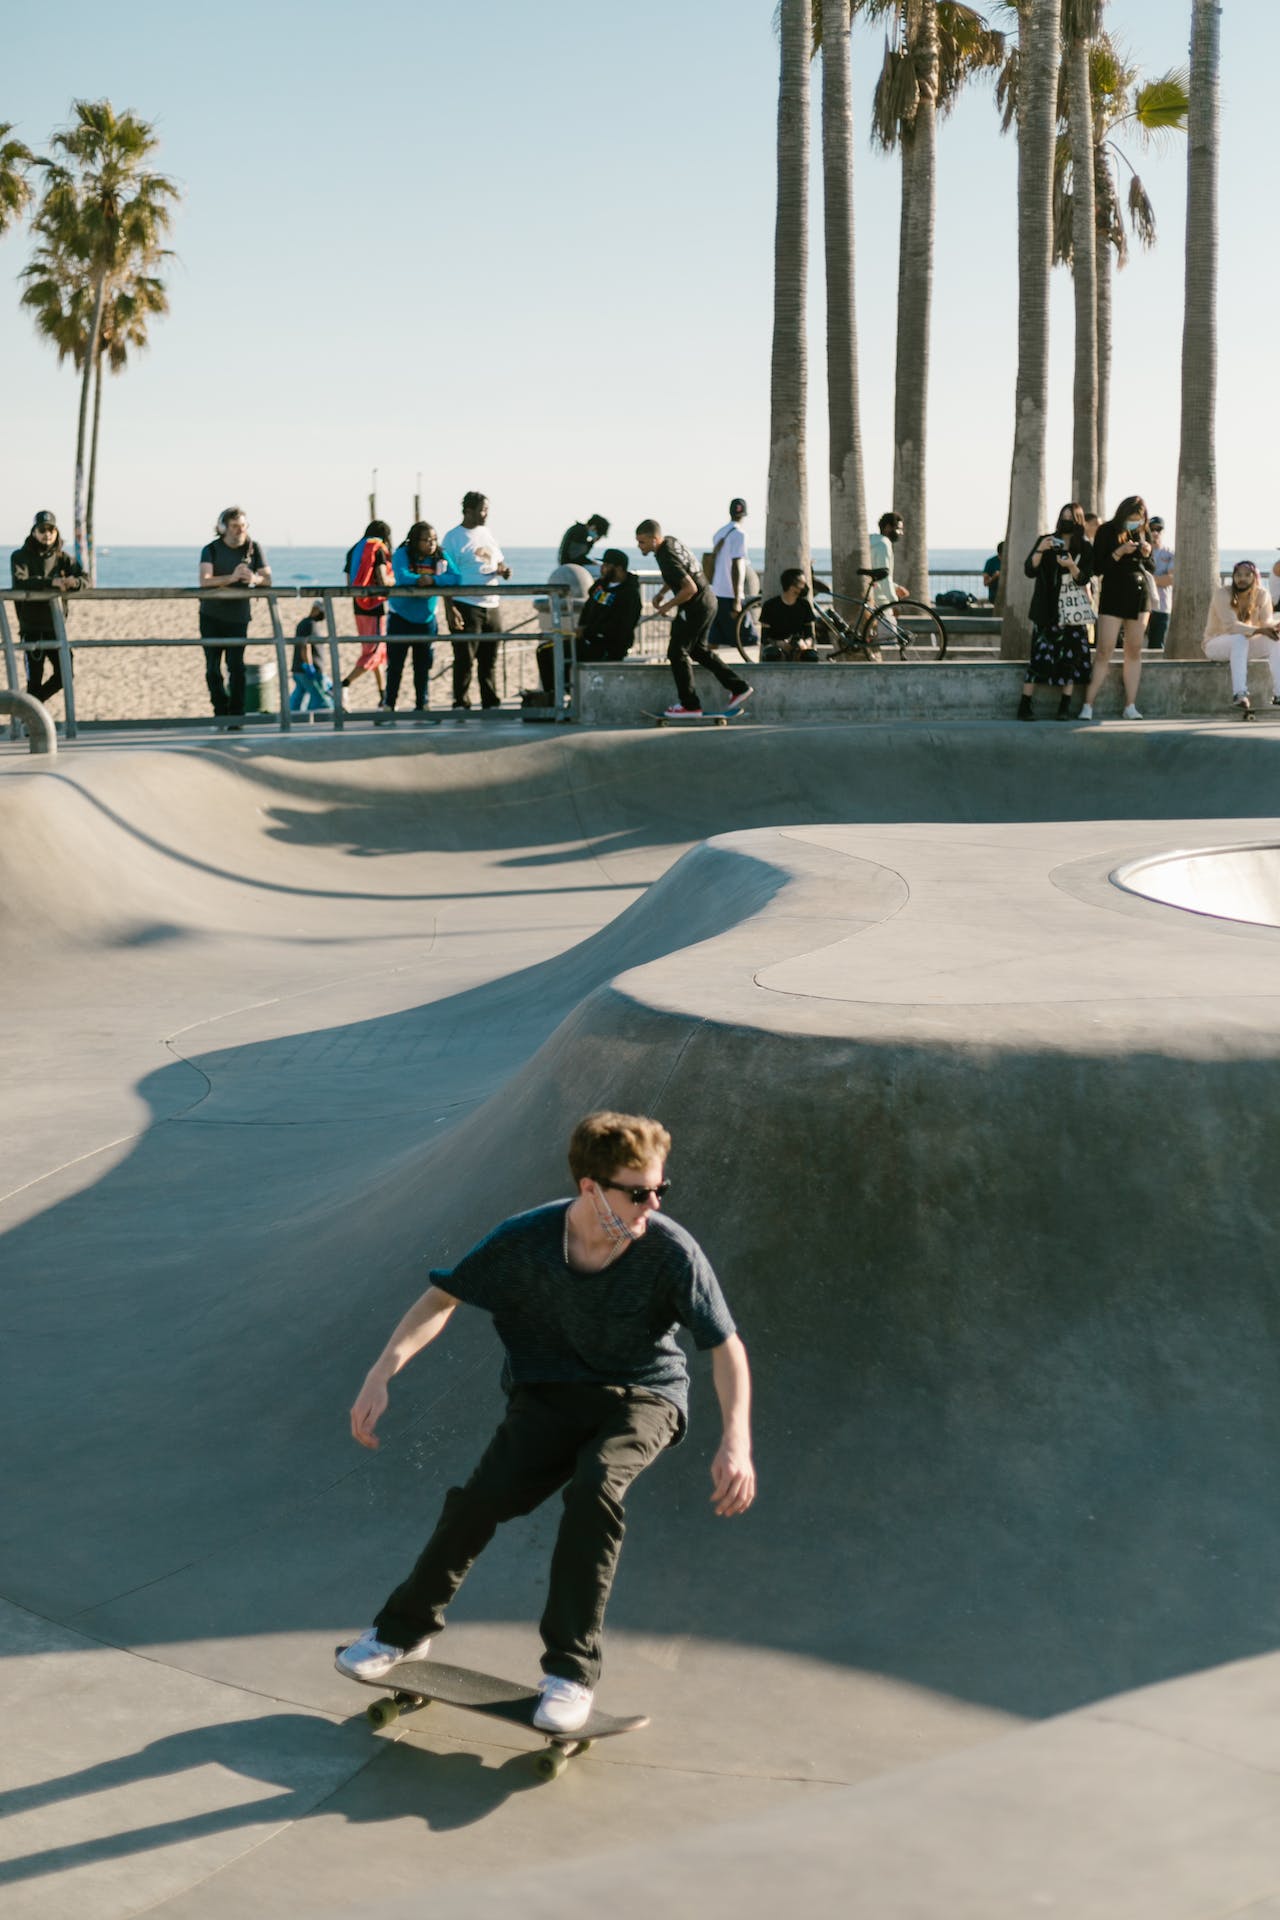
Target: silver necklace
x=613, y=1251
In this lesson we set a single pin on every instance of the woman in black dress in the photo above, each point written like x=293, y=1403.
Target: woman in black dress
x=1122, y=552
x=1060, y=564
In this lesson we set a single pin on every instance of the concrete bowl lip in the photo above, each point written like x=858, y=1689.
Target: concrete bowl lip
x=1125, y=877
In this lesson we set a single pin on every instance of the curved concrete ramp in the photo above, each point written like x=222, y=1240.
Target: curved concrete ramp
x=981, y=1145
x=1228, y=883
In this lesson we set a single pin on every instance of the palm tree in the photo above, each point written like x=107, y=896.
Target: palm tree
x=849, y=546
x=16, y=162
x=787, y=522
x=1038, y=57
x=933, y=48
x=1197, y=524
x=1081, y=25
x=103, y=207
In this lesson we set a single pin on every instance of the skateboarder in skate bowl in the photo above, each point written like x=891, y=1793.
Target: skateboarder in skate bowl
x=586, y=1296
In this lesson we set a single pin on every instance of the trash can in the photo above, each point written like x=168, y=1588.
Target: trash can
x=261, y=688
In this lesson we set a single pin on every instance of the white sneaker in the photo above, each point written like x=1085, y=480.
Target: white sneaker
x=368, y=1658
x=565, y=1705
x=1086, y=711
x=1131, y=712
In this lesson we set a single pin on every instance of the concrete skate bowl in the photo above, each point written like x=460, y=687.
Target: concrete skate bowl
x=1226, y=883
x=980, y=1144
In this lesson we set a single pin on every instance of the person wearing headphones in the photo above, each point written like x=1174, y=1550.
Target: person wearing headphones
x=230, y=563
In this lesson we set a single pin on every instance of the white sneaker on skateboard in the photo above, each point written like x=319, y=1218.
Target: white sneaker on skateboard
x=565, y=1705
x=368, y=1658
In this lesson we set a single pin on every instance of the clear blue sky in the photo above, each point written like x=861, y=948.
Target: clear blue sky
x=572, y=205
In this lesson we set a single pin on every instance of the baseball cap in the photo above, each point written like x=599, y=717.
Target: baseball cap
x=45, y=519
x=1155, y=521
x=737, y=506
x=614, y=557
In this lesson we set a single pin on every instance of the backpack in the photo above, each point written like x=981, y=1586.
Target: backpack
x=373, y=554
x=957, y=599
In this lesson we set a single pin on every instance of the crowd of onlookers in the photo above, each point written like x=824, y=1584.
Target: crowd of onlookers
x=1095, y=586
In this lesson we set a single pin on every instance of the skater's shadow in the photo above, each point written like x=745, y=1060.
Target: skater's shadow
x=314, y=1767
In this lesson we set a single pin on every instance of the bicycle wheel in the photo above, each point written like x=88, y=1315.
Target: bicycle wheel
x=739, y=625
x=914, y=630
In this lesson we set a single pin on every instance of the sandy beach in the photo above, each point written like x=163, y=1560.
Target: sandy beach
x=167, y=683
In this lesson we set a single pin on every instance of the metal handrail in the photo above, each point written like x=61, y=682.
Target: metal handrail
x=558, y=598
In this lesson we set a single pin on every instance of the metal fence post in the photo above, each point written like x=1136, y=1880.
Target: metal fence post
x=10, y=667
x=286, y=718
x=335, y=663
x=64, y=657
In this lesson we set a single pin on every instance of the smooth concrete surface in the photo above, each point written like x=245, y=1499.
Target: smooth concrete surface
x=982, y=1146
x=618, y=695
x=1228, y=883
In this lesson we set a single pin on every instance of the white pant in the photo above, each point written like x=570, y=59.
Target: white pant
x=1240, y=649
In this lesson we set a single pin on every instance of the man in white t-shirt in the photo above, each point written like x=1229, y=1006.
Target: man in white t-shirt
x=729, y=578
x=475, y=560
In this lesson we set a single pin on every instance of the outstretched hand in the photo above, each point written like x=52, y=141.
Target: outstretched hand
x=366, y=1413
x=733, y=1480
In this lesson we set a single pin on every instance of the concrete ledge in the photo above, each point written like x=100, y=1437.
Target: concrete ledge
x=619, y=695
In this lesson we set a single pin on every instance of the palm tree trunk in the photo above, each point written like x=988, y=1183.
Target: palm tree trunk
x=849, y=546
x=1084, y=267
x=86, y=380
x=1197, y=525
x=91, y=561
x=787, y=518
x=915, y=302
x=1104, y=271
x=1037, y=128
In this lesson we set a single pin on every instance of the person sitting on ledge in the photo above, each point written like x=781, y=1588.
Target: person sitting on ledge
x=608, y=621
x=786, y=621
x=1241, y=627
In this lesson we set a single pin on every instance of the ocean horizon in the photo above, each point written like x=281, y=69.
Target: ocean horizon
x=126, y=566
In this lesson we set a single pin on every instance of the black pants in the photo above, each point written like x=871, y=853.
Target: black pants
x=38, y=665
x=592, y=1441
x=588, y=650
x=227, y=696
x=725, y=631
x=689, y=630
x=484, y=653
x=401, y=635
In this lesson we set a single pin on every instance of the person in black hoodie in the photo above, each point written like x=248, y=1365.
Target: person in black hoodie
x=608, y=621
x=1060, y=563
x=42, y=562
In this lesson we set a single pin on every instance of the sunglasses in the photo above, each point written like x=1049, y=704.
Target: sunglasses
x=638, y=1195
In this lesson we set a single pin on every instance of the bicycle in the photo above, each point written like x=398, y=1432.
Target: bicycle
x=907, y=625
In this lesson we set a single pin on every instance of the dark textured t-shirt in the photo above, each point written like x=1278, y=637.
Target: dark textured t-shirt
x=219, y=616
x=616, y=1328
x=676, y=565
x=783, y=622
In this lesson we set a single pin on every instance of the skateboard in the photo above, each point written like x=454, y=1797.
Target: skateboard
x=692, y=719
x=414, y=1684
x=1245, y=709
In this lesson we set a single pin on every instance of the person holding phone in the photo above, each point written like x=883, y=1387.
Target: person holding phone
x=230, y=563
x=1060, y=563
x=1122, y=557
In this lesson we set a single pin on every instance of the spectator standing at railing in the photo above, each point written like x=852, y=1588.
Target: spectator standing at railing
x=729, y=578
x=991, y=573
x=1162, y=568
x=41, y=561
x=231, y=560
x=416, y=562
x=694, y=608
x=476, y=558
x=368, y=564
x=311, y=690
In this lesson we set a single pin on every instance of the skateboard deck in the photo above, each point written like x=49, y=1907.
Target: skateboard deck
x=692, y=719
x=415, y=1684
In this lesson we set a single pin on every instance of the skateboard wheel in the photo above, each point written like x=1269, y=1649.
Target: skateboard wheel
x=583, y=1746
x=551, y=1764
x=382, y=1713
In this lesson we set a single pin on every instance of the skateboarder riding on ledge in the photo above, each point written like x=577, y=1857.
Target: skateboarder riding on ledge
x=586, y=1296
